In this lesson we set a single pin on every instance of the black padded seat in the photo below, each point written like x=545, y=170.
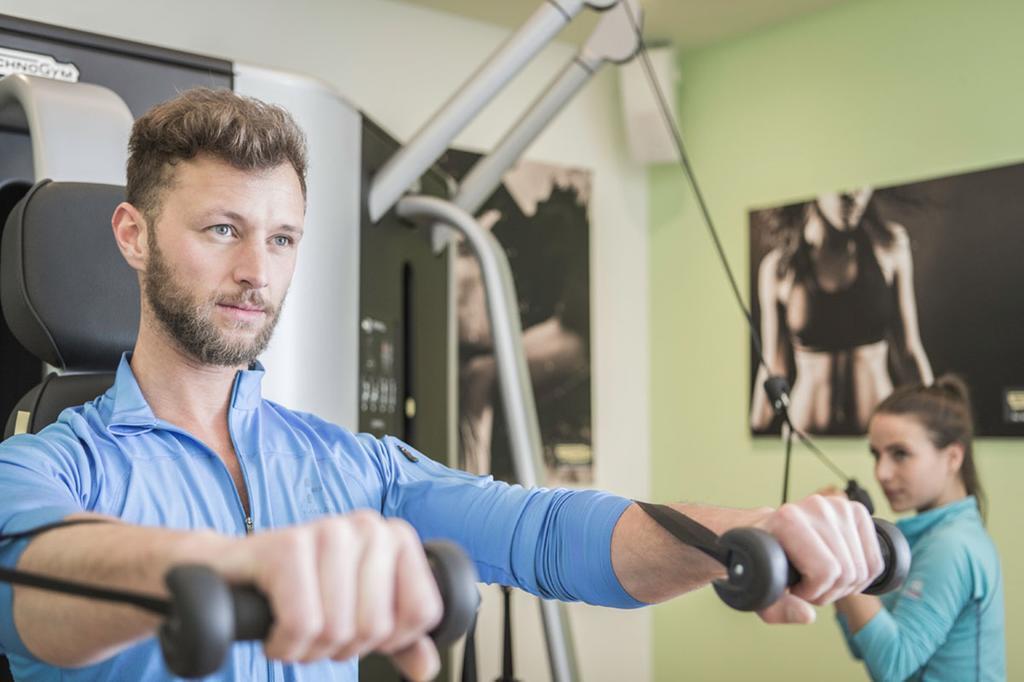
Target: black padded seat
x=44, y=403
x=21, y=369
x=67, y=294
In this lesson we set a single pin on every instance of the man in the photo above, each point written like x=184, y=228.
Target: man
x=186, y=462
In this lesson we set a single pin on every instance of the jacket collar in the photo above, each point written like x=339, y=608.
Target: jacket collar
x=132, y=414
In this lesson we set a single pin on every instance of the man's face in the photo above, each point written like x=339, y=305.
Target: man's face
x=221, y=257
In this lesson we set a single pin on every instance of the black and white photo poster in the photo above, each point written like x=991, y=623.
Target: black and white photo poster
x=540, y=217
x=857, y=291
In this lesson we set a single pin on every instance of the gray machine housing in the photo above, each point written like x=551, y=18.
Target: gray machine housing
x=396, y=326
x=365, y=338
x=348, y=346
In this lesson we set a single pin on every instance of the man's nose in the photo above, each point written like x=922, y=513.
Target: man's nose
x=252, y=265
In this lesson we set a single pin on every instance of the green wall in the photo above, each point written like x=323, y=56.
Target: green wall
x=880, y=92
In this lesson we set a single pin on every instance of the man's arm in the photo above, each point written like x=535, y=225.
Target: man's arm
x=601, y=549
x=830, y=541
x=339, y=587
x=72, y=631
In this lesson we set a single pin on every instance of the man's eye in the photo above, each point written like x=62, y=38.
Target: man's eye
x=282, y=240
x=221, y=230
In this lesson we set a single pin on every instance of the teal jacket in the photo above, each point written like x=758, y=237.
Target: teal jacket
x=946, y=623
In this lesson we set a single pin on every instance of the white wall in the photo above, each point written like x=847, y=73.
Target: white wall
x=398, y=63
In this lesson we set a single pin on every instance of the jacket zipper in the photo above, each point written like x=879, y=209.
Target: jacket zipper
x=250, y=526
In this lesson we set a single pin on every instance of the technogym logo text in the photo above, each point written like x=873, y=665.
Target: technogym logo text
x=31, y=64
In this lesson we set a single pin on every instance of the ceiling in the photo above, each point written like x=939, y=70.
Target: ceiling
x=688, y=24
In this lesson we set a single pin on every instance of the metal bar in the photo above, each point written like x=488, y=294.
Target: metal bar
x=412, y=160
x=485, y=176
x=614, y=40
x=514, y=383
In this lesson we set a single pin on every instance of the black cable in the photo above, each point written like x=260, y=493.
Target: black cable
x=785, y=466
x=161, y=607
x=39, y=530
x=691, y=177
x=688, y=531
x=157, y=605
x=469, y=672
x=684, y=161
x=507, y=661
x=809, y=444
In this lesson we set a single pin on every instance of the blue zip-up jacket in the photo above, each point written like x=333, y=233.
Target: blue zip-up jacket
x=946, y=623
x=114, y=456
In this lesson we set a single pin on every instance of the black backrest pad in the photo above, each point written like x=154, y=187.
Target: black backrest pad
x=67, y=293
x=21, y=370
x=42, y=405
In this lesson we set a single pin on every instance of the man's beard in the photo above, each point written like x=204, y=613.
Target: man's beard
x=190, y=322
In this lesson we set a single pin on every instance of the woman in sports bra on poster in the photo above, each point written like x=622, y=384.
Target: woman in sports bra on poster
x=835, y=291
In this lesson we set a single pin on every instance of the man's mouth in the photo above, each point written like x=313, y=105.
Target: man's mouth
x=243, y=311
x=247, y=308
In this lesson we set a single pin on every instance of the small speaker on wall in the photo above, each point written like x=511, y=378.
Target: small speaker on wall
x=649, y=139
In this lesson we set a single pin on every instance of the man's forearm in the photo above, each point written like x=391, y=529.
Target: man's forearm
x=73, y=631
x=653, y=566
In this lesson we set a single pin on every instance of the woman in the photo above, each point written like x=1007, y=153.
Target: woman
x=834, y=292
x=946, y=623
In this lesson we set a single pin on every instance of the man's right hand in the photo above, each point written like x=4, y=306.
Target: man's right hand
x=832, y=544
x=341, y=587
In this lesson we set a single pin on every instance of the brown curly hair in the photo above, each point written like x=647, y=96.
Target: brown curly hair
x=242, y=131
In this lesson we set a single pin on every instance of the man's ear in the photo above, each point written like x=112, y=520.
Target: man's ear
x=131, y=233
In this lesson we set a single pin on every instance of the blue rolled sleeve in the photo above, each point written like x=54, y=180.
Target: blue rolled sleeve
x=555, y=544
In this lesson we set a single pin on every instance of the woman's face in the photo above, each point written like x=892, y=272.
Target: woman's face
x=845, y=209
x=913, y=473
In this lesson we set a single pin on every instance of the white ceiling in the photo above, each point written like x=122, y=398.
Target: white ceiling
x=688, y=24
